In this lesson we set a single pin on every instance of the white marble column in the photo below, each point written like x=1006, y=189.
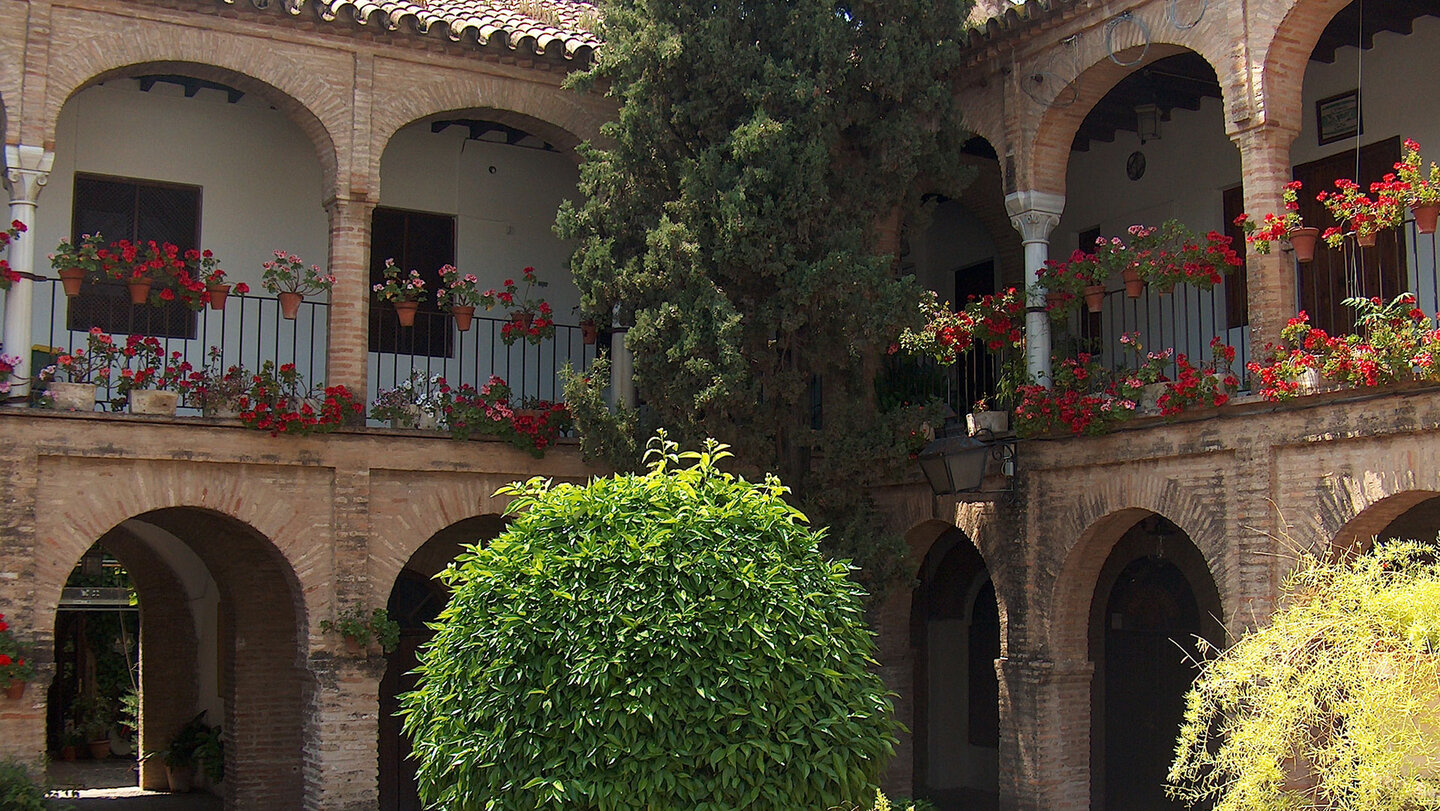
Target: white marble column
x=27, y=170
x=622, y=368
x=1035, y=214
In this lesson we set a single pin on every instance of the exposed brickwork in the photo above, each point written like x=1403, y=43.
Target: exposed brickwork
x=286, y=527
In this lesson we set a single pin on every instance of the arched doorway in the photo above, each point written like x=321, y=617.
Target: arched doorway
x=1154, y=597
x=416, y=600
x=955, y=625
x=220, y=619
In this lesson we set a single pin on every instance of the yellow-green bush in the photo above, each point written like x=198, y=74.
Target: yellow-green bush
x=1334, y=704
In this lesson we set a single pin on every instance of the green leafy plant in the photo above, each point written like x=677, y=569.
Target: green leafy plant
x=668, y=640
x=359, y=625
x=187, y=742
x=20, y=792
x=1333, y=704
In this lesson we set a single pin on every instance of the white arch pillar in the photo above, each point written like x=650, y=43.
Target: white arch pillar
x=1035, y=214
x=27, y=170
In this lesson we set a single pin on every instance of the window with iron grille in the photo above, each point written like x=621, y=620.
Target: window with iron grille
x=137, y=210
x=421, y=241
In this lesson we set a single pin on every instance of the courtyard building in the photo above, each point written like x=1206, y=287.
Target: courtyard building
x=1035, y=654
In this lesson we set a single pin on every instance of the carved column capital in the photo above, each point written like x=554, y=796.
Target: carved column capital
x=1034, y=213
x=27, y=170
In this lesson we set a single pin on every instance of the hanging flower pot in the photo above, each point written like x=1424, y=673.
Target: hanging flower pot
x=589, y=333
x=1425, y=217
x=217, y=292
x=1366, y=239
x=290, y=304
x=1303, y=241
x=139, y=289
x=71, y=279
x=463, y=314
x=15, y=690
x=522, y=318
x=1056, y=301
x=1134, y=285
x=71, y=396
x=405, y=311
x=1094, y=297
x=154, y=402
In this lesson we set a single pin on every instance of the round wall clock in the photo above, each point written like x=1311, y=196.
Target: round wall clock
x=1135, y=165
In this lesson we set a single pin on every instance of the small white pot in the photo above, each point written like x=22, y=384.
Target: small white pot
x=996, y=422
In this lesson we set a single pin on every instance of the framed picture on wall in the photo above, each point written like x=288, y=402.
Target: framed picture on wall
x=1338, y=117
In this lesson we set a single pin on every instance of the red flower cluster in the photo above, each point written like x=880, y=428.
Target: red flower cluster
x=532, y=426
x=278, y=401
x=8, y=276
x=994, y=322
x=176, y=274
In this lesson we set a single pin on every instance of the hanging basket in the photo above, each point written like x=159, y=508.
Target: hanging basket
x=405, y=311
x=463, y=314
x=139, y=290
x=1303, y=241
x=1425, y=217
x=290, y=304
x=71, y=279
x=1366, y=239
x=1094, y=297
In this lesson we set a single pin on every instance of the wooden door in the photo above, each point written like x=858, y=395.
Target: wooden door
x=1338, y=274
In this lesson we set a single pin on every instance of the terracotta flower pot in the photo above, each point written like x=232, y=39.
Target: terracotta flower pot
x=154, y=402
x=589, y=333
x=1425, y=217
x=72, y=396
x=71, y=279
x=217, y=292
x=1094, y=297
x=139, y=290
x=290, y=304
x=405, y=311
x=100, y=750
x=1056, y=301
x=1366, y=240
x=1134, y=285
x=68, y=752
x=15, y=690
x=522, y=319
x=353, y=646
x=464, y=314
x=1303, y=241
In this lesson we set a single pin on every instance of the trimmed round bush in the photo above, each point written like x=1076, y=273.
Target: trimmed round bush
x=672, y=640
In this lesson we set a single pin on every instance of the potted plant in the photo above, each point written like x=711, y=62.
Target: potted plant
x=290, y=281
x=150, y=380
x=180, y=756
x=358, y=626
x=461, y=296
x=8, y=365
x=412, y=404
x=208, y=271
x=530, y=318
x=74, y=262
x=93, y=719
x=1365, y=217
x=1419, y=189
x=402, y=290
x=216, y=389
x=84, y=370
x=1173, y=254
x=70, y=742
x=210, y=755
x=1288, y=226
x=16, y=669
x=8, y=276
x=1083, y=273
x=277, y=400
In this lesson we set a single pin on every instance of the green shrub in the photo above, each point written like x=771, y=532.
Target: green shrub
x=1334, y=704
x=672, y=640
x=17, y=791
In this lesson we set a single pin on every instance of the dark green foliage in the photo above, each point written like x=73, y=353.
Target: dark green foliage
x=734, y=213
x=672, y=640
x=18, y=792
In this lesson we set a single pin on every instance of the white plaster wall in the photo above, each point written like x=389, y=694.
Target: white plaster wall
x=955, y=239
x=504, y=200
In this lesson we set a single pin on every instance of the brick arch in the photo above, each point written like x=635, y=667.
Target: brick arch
x=932, y=537
x=1296, y=27
x=1048, y=155
x=559, y=116
x=411, y=510
x=1356, y=535
x=306, y=92
x=1097, y=523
